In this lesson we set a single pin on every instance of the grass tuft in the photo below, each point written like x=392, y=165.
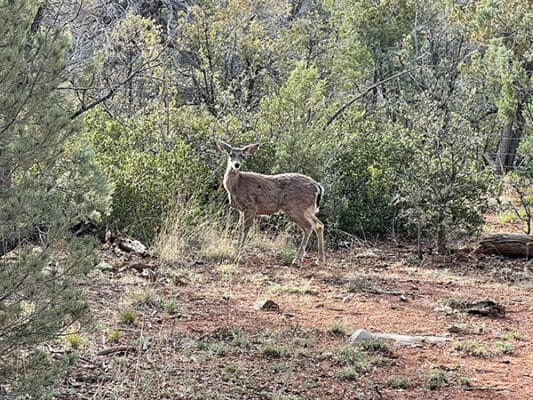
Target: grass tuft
x=127, y=317
x=397, y=382
x=436, y=378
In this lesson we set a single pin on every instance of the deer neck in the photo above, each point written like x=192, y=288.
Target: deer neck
x=231, y=178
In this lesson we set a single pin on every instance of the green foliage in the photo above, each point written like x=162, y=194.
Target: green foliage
x=293, y=119
x=148, y=169
x=359, y=181
x=48, y=181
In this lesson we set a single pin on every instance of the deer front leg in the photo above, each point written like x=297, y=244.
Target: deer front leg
x=301, y=252
x=247, y=221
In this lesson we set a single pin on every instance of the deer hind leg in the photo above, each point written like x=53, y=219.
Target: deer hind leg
x=247, y=219
x=318, y=227
x=307, y=227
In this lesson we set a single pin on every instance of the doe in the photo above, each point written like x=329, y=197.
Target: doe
x=296, y=195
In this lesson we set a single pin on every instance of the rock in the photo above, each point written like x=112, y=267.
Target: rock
x=403, y=298
x=267, y=305
x=131, y=246
x=103, y=266
x=400, y=340
x=361, y=334
x=457, y=329
x=486, y=308
x=445, y=309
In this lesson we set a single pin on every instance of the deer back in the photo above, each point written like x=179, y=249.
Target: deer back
x=268, y=194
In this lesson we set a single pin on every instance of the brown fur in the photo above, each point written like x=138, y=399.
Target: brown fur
x=295, y=195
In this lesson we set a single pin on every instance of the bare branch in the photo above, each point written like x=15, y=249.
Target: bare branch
x=368, y=89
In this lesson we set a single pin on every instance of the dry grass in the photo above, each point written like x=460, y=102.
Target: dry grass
x=190, y=233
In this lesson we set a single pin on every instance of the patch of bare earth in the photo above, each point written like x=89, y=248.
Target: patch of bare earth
x=195, y=333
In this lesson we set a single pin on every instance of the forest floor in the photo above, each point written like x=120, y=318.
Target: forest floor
x=194, y=331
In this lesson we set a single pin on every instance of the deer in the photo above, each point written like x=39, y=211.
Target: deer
x=295, y=195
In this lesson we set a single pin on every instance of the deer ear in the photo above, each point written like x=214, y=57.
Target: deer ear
x=223, y=146
x=251, y=149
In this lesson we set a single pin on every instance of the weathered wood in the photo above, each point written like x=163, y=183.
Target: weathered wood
x=507, y=244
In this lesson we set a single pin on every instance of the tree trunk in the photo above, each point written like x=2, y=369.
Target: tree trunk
x=507, y=244
x=510, y=139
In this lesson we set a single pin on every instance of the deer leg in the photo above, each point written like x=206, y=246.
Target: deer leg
x=247, y=221
x=307, y=227
x=318, y=227
x=301, y=252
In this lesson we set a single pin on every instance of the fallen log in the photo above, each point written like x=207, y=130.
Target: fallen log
x=507, y=244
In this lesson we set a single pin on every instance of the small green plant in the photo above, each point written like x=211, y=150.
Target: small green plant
x=338, y=330
x=287, y=255
x=470, y=347
x=127, y=316
x=504, y=347
x=464, y=381
x=353, y=358
x=217, y=349
x=113, y=335
x=230, y=372
x=169, y=306
x=349, y=373
x=141, y=297
x=276, y=368
x=436, y=378
x=505, y=218
x=231, y=369
x=274, y=350
x=227, y=269
x=349, y=355
x=376, y=346
x=397, y=382
x=239, y=338
x=74, y=340
x=511, y=335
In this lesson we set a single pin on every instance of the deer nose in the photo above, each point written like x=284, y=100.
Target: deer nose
x=237, y=165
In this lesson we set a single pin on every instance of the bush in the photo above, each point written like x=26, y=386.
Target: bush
x=359, y=184
x=148, y=171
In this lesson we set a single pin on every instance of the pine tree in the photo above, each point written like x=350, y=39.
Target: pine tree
x=47, y=182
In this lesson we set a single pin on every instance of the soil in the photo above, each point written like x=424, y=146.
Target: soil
x=194, y=331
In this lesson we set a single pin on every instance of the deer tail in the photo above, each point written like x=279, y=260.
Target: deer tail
x=319, y=194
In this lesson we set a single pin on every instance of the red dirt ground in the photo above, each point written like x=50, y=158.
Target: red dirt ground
x=197, y=335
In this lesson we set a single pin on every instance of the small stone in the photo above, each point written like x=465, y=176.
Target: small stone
x=267, y=305
x=403, y=298
x=361, y=334
x=103, y=266
x=445, y=309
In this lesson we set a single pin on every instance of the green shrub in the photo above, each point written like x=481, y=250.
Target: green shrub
x=149, y=171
